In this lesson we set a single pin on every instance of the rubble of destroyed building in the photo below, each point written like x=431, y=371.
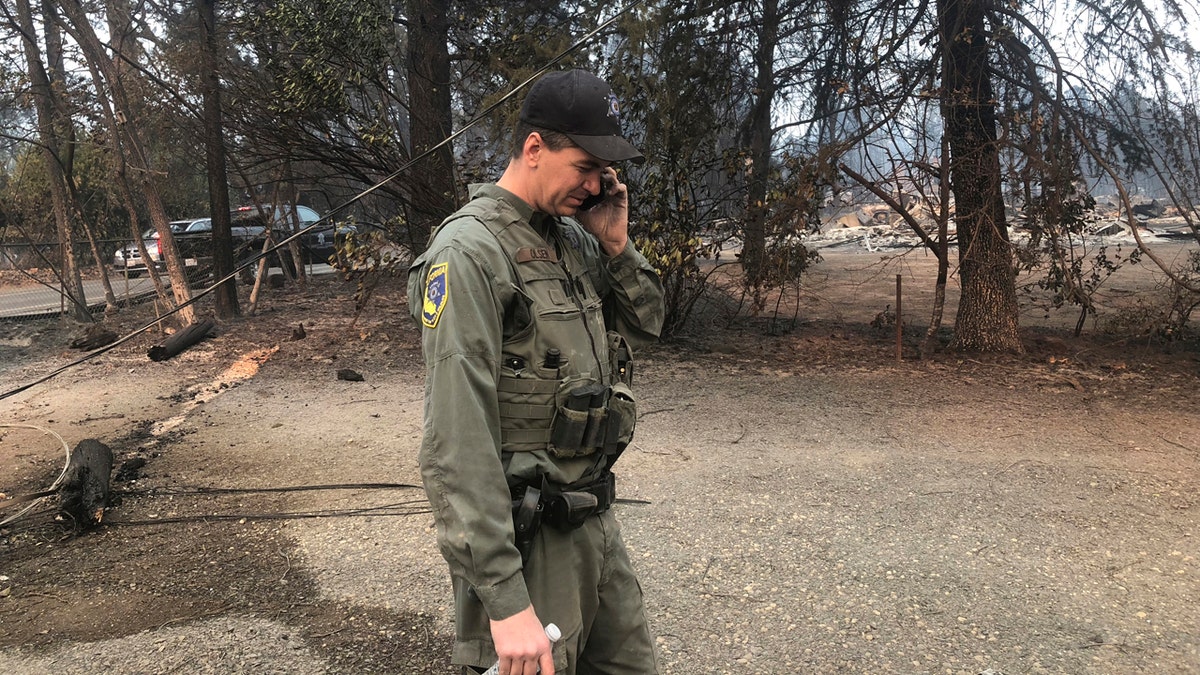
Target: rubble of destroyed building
x=873, y=225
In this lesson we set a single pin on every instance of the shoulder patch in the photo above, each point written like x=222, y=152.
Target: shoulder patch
x=437, y=289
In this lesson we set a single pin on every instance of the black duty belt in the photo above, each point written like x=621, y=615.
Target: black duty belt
x=567, y=506
x=564, y=507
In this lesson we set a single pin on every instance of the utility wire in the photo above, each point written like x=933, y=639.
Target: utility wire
x=57, y=481
x=406, y=508
x=201, y=490
x=353, y=200
x=412, y=507
x=398, y=509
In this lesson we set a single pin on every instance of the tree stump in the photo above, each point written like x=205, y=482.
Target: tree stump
x=95, y=337
x=83, y=495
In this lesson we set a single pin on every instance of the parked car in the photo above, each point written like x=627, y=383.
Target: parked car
x=128, y=258
x=193, y=238
x=191, y=226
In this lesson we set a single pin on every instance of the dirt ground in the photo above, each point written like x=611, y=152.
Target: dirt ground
x=813, y=505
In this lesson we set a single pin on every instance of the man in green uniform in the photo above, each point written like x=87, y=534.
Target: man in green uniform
x=530, y=306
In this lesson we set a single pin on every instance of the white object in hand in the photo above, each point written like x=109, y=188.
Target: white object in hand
x=552, y=632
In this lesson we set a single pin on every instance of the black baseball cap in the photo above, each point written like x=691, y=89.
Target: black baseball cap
x=583, y=107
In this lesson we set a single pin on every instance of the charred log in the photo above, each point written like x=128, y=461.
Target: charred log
x=180, y=341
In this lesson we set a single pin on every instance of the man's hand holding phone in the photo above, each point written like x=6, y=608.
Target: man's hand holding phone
x=606, y=184
x=606, y=214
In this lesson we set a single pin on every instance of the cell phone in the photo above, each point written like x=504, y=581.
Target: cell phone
x=606, y=184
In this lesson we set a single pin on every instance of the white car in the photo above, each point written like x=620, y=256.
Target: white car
x=128, y=258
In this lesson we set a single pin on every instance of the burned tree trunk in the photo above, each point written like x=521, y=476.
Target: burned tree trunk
x=430, y=105
x=758, y=134
x=987, y=311
x=225, y=298
x=52, y=130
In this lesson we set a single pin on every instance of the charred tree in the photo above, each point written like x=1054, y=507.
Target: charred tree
x=987, y=310
x=225, y=296
x=131, y=146
x=432, y=178
x=51, y=130
x=58, y=74
x=759, y=135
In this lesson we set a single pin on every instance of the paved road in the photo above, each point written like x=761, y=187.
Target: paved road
x=30, y=300
x=38, y=300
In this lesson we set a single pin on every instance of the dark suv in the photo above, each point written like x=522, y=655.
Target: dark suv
x=315, y=246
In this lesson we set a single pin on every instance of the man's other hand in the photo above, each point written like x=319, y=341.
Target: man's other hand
x=522, y=645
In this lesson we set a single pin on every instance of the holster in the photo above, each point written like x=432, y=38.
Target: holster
x=621, y=357
x=527, y=519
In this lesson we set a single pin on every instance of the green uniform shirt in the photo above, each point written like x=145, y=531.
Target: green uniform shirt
x=463, y=291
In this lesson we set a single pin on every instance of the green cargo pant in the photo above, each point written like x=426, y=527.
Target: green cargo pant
x=582, y=581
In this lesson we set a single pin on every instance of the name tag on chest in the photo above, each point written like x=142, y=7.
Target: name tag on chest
x=529, y=254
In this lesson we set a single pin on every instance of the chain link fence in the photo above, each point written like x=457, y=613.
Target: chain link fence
x=32, y=279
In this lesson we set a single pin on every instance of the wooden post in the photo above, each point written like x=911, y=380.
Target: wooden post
x=899, y=322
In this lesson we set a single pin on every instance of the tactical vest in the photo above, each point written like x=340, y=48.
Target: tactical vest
x=564, y=379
